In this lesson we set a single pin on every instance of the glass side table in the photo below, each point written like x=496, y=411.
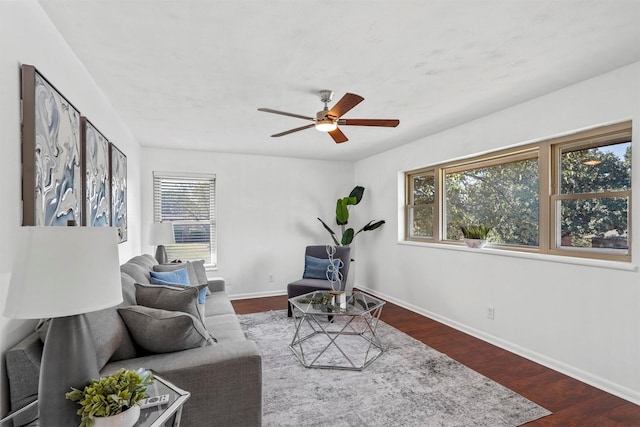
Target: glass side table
x=167, y=415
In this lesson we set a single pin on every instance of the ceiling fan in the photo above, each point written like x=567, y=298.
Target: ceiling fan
x=328, y=120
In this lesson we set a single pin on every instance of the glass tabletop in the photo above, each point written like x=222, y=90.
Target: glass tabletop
x=336, y=303
x=155, y=416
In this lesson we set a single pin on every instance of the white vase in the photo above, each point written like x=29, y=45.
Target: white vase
x=475, y=243
x=124, y=419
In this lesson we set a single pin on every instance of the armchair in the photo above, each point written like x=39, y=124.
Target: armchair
x=306, y=285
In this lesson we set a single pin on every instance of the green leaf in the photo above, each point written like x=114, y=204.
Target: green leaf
x=347, y=237
x=373, y=225
x=357, y=192
x=342, y=209
x=342, y=212
x=331, y=232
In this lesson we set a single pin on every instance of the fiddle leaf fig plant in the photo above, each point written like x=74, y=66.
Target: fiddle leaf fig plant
x=110, y=395
x=342, y=218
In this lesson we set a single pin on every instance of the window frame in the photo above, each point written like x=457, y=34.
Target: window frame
x=549, y=156
x=213, y=233
x=435, y=217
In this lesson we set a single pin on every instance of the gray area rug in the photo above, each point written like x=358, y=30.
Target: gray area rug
x=410, y=384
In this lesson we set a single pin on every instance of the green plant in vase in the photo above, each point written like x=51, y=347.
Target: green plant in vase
x=342, y=218
x=475, y=236
x=110, y=395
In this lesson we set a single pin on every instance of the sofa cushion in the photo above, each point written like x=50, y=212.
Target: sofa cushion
x=193, y=277
x=200, y=271
x=202, y=288
x=128, y=289
x=162, y=331
x=110, y=336
x=225, y=327
x=196, y=270
x=179, y=275
x=145, y=261
x=138, y=273
x=171, y=298
x=218, y=303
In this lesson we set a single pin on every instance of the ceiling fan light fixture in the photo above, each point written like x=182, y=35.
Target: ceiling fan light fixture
x=326, y=125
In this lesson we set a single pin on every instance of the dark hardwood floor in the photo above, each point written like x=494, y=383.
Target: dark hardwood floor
x=572, y=402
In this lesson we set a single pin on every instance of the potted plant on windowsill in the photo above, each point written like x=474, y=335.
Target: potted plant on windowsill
x=475, y=236
x=111, y=401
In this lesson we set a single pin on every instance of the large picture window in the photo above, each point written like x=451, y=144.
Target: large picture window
x=564, y=196
x=502, y=192
x=187, y=201
x=592, y=204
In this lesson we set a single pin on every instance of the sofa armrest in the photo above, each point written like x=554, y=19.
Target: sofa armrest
x=217, y=284
x=225, y=381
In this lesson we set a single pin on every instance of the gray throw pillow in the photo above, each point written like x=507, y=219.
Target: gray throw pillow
x=110, y=335
x=201, y=273
x=162, y=331
x=179, y=298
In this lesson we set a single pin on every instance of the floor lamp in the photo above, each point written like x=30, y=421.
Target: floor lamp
x=62, y=273
x=162, y=234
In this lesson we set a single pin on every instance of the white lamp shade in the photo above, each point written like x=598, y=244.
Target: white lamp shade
x=63, y=271
x=161, y=233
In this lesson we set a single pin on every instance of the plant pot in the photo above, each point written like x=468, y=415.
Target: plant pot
x=124, y=419
x=475, y=243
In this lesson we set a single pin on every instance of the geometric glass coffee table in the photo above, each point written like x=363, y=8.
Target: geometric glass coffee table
x=335, y=334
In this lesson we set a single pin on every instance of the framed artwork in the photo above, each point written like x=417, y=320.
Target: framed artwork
x=51, y=159
x=96, y=181
x=118, y=169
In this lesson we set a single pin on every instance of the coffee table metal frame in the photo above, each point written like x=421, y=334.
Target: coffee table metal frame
x=323, y=321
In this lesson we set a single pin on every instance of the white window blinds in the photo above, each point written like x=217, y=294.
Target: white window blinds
x=187, y=201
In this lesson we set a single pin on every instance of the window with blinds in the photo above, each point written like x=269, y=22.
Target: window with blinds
x=187, y=201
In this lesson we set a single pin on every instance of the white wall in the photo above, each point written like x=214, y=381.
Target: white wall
x=266, y=210
x=27, y=36
x=581, y=319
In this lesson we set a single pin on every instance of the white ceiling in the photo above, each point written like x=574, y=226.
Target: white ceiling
x=191, y=74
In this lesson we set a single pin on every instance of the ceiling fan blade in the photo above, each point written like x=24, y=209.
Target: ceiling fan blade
x=346, y=103
x=338, y=136
x=283, y=113
x=369, y=122
x=287, y=132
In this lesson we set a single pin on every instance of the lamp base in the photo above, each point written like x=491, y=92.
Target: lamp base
x=68, y=360
x=161, y=254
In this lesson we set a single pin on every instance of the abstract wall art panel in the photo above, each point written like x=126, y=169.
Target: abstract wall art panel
x=51, y=173
x=119, y=192
x=96, y=184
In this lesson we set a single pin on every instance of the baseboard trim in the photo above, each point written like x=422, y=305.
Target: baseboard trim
x=257, y=295
x=586, y=377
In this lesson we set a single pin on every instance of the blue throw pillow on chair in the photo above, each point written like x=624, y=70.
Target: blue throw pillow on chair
x=316, y=268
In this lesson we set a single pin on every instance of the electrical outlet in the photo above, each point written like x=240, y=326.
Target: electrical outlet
x=491, y=313
x=271, y=278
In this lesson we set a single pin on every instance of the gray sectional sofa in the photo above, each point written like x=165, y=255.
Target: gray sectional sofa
x=223, y=374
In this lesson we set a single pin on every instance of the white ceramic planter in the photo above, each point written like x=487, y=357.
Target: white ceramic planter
x=475, y=243
x=124, y=419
